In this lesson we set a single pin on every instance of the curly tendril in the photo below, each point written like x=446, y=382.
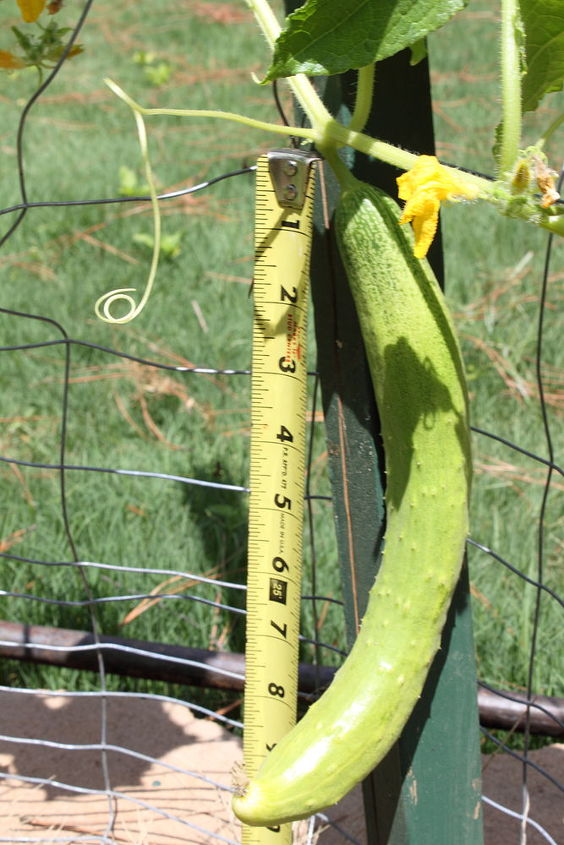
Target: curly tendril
x=103, y=306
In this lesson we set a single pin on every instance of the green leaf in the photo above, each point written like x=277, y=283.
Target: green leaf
x=544, y=46
x=128, y=182
x=158, y=74
x=24, y=40
x=169, y=245
x=144, y=239
x=496, y=149
x=333, y=36
x=142, y=57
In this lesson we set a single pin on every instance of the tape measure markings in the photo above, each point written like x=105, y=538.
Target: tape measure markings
x=277, y=467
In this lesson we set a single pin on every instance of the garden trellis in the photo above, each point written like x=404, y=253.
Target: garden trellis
x=51, y=366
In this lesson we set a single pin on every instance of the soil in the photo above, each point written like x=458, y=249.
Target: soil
x=171, y=734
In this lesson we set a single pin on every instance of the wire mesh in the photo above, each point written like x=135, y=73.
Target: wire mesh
x=103, y=722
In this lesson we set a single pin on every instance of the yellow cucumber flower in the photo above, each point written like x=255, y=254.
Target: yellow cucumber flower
x=423, y=187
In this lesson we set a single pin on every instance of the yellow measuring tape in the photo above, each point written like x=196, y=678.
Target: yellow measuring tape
x=283, y=233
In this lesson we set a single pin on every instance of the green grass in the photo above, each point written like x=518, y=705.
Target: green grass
x=122, y=414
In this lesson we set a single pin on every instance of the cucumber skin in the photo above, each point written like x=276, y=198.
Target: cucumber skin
x=420, y=391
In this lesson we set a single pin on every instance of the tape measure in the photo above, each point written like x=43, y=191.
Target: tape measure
x=283, y=233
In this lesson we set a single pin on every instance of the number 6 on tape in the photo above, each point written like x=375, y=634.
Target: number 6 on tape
x=283, y=232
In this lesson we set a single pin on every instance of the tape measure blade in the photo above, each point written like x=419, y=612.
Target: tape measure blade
x=279, y=388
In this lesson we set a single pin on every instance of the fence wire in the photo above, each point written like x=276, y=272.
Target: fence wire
x=110, y=727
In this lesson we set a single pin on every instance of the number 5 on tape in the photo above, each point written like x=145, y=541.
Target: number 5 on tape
x=283, y=233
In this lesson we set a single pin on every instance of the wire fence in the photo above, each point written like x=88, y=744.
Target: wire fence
x=107, y=764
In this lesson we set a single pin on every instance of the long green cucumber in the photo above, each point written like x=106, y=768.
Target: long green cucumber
x=420, y=391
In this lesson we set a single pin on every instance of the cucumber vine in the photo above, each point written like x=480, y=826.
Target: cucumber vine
x=511, y=95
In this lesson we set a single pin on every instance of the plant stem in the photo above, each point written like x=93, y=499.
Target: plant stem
x=345, y=177
x=300, y=85
x=266, y=19
x=335, y=132
x=329, y=133
x=279, y=129
x=510, y=86
x=363, y=102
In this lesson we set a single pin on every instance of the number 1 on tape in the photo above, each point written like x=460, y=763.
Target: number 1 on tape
x=283, y=233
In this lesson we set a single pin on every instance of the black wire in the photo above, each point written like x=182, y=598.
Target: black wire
x=141, y=198
x=26, y=109
x=312, y=546
x=546, y=491
x=74, y=553
x=112, y=804
x=528, y=764
x=275, y=93
x=538, y=584
x=517, y=448
x=278, y=103
x=127, y=356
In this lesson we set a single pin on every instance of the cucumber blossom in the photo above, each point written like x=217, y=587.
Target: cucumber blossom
x=420, y=391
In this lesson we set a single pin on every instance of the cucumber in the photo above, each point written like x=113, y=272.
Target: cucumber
x=420, y=391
